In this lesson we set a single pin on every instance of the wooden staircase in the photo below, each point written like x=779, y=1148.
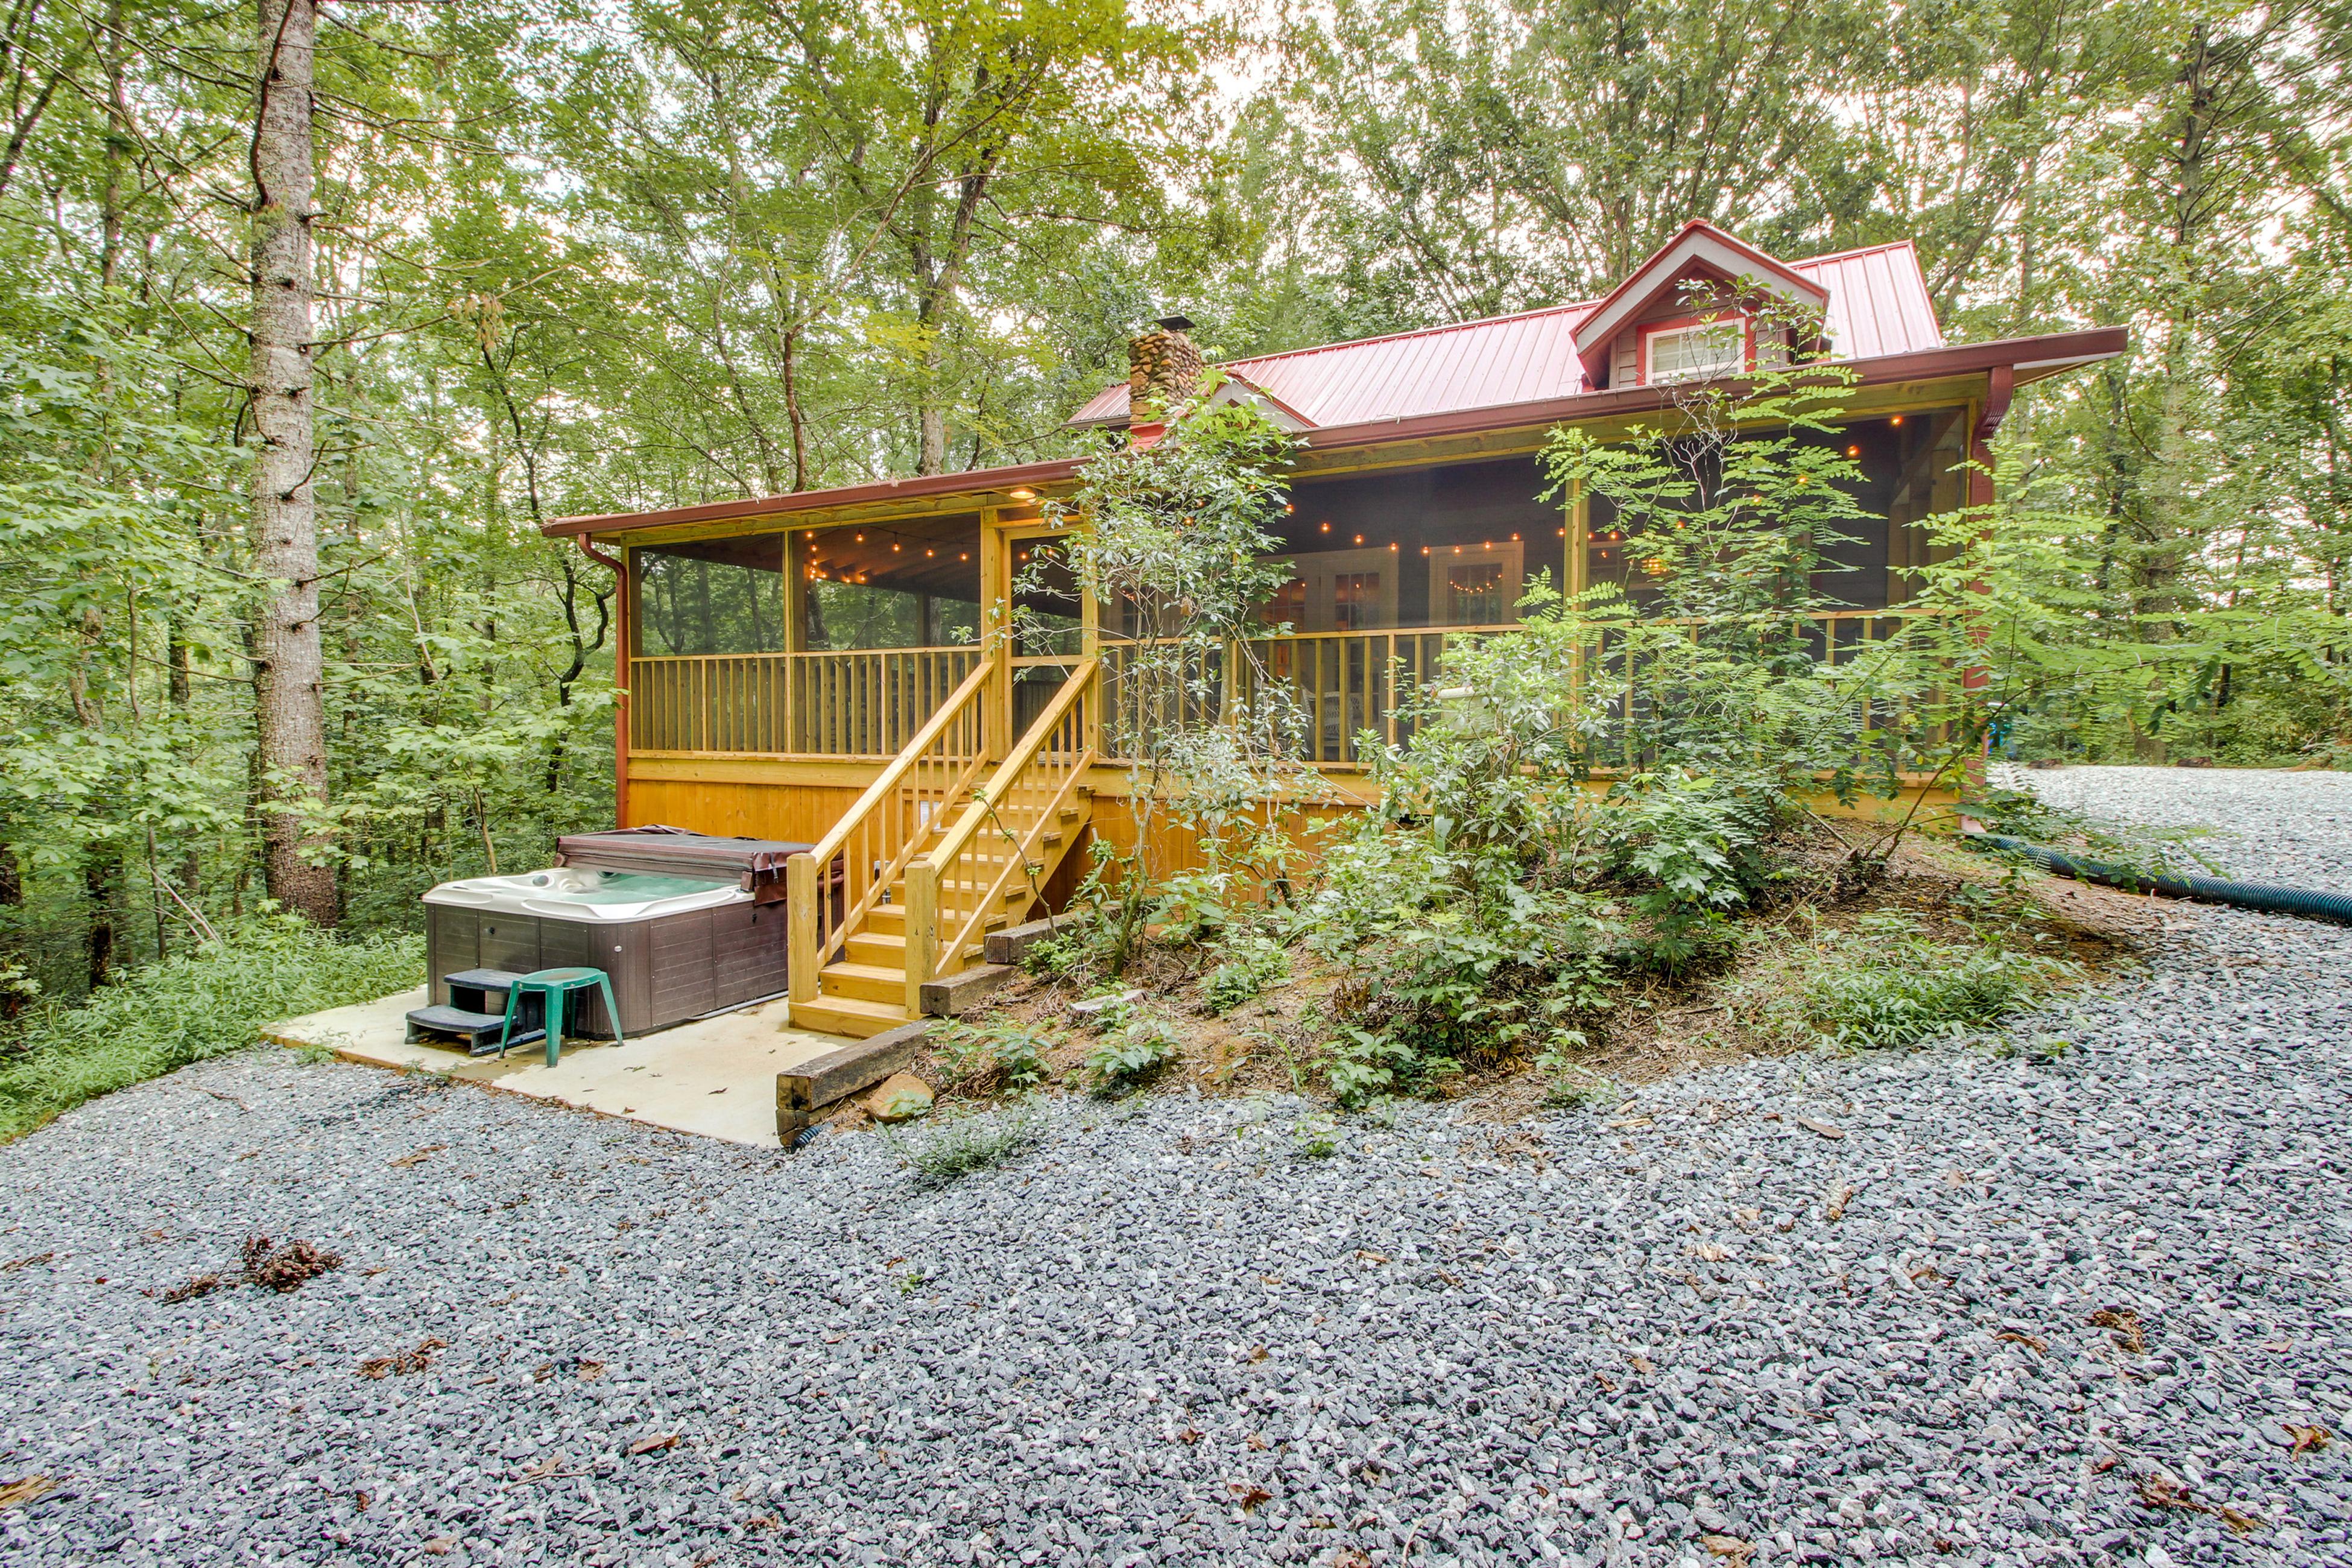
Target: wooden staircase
x=934, y=857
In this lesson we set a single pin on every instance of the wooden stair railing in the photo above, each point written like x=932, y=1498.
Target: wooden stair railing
x=991, y=865
x=900, y=813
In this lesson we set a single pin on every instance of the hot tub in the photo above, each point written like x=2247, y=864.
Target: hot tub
x=675, y=947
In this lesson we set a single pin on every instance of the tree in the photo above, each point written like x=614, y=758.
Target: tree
x=288, y=660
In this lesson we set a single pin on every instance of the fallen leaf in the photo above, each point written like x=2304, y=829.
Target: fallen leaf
x=1257, y=1443
x=1708, y=1252
x=1928, y=1274
x=14, y=1264
x=2308, y=1439
x=419, y=1156
x=1956, y=1178
x=1728, y=1546
x=1606, y=1383
x=2028, y=1341
x=1823, y=1128
x=2129, y=1332
x=1372, y=1256
x=417, y=1360
x=18, y=1492
x=590, y=1371
x=1190, y=1436
x=653, y=1445
x=2158, y=1491
x=1641, y=1364
x=188, y=1290
x=1257, y=1353
x=2278, y=1347
x=1835, y=1208
x=1249, y=1496
x=441, y=1546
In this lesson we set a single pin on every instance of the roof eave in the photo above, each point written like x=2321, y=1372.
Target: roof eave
x=975, y=482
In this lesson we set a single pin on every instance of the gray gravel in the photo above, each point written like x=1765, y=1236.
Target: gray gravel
x=1167, y=1336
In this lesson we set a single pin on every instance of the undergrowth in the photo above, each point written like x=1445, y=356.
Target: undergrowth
x=200, y=1003
x=956, y=1146
x=1887, y=982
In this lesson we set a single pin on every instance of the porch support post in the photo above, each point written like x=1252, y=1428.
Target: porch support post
x=995, y=638
x=625, y=635
x=795, y=633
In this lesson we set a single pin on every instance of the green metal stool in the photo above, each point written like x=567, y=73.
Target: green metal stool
x=551, y=986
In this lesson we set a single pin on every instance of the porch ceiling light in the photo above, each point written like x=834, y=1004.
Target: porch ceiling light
x=1022, y=492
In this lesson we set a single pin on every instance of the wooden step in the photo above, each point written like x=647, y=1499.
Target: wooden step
x=887, y=948
x=848, y=1015
x=866, y=981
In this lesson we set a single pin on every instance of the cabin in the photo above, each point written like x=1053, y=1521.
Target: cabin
x=837, y=666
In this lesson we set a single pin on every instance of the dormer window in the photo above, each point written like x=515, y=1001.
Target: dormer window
x=1697, y=352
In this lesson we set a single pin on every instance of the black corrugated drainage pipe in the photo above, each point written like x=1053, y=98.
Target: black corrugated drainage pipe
x=2303, y=901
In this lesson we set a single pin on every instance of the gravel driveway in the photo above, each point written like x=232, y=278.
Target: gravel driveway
x=1837, y=1309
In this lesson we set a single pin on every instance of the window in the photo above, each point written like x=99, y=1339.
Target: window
x=1354, y=601
x=1697, y=352
x=1476, y=584
x=1287, y=607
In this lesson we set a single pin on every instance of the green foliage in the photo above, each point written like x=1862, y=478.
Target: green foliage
x=955, y=1146
x=1887, y=983
x=1315, y=1137
x=994, y=1056
x=1251, y=965
x=1130, y=1053
x=1177, y=548
x=1568, y=1084
x=188, y=1007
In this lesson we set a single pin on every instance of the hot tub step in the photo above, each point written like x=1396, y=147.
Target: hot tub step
x=479, y=1030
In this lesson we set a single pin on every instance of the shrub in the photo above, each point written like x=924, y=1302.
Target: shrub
x=204, y=1003
x=1130, y=1053
x=1253, y=963
x=958, y=1145
x=994, y=1056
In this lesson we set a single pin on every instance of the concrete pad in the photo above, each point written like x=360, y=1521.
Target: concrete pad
x=716, y=1077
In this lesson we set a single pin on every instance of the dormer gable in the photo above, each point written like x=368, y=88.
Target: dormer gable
x=1691, y=312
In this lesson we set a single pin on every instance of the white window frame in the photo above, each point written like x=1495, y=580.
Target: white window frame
x=1734, y=327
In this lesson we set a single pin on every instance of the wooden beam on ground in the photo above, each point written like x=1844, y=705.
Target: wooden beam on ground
x=960, y=992
x=823, y=1081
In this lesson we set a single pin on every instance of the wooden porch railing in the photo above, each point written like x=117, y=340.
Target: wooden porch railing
x=1338, y=685
x=869, y=702
x=992, y=853
x=877, y=838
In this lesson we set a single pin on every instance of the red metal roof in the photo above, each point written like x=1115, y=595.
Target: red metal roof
x=1878, y=305
x=2024, y=359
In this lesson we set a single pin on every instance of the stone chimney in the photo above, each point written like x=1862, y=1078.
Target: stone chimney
x=1163, y=369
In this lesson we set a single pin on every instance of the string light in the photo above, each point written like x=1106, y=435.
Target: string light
x=1897, y=420
x=927, y=555
x=1327, y=528
x=1359, y=539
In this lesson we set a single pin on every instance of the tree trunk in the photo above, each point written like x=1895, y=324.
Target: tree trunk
x=290, y=695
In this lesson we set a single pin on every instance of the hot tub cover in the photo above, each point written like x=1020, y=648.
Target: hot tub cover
x=755, y=865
